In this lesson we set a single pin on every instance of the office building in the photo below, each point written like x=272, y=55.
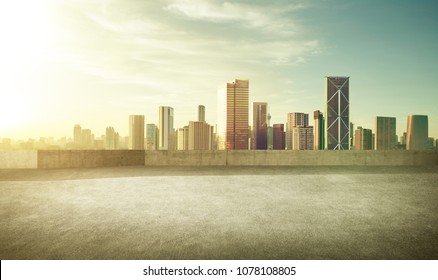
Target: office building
x=318, y=134
x=337, y=113
x=417, y=132
x=136, y=132
x=385, y=133
x=233, y=116
x=166, y=130
x=363, y=139
x=279, y=141
x=201, y=113
x=183, y=138
x=299, y=134
x=151, y=136
x=259, y=126
x=200, y=136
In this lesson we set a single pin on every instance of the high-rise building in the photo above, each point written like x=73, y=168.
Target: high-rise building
x=201, y=113
x=136, y=132
x=166, y=130
x=233, y=116
x=363, y=139
x=87, y=139
x=260, y=126
x=200, y=136
x=299, y=134
x=337, y=113
x=385, y=133
x=77, y=136
x=279, y=137
x=151, y=135
x=429, y=145
x=318, y=135
x=270, y=134
x=417, y=132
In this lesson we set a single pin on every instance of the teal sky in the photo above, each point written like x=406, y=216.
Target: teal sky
x=96, y=62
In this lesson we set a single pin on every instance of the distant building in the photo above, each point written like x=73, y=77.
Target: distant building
x=200, y=136
x=260, y=126
x=279, y=142
x=233, y=116
x=77, y=136
x=110, y=138
x=136, y=132
x=151, y=136
x=318, y=135
x=337, y=113
x=201, y=113
x=87, y=139
x=183, y=138
x=385, y=133
x=166, y=130
x=417, y=132
x=430, y=141
x=299, y=134
x=363, y=139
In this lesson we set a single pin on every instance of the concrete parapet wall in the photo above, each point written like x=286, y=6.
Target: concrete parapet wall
x=89, y=158
x=108, y=158
x=18, y=159
x=289, y=158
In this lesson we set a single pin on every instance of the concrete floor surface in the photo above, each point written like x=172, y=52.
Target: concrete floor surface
x=220, y=213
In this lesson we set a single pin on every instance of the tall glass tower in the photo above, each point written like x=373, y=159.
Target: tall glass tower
x=337, y=112
x=417, y=132
x=233, y=102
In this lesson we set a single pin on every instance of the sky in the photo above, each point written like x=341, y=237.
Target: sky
x=94, y=63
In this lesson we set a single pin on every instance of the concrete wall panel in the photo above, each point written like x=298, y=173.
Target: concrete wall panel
x=18, y=159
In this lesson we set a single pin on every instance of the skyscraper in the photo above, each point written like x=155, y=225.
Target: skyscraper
x=166, y=130
x=136, y=132
x=233, y=116
x=201, y=113
x=363, y=139
x=417, y=132
x=318, y=135
x=299, y=134
x=278, y=137
x=260, y=126
x=337, y=113
x=385, y=137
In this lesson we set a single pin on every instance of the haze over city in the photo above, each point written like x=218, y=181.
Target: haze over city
x=96, y=62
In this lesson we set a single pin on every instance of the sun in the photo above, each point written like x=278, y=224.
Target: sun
x=25, y=34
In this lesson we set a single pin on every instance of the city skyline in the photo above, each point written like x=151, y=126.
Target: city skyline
x=95, y=63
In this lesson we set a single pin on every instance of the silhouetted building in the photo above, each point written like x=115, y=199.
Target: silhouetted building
x=430, y=141
x=318, y=135
x=136, y=132
x=201, y=113
x=233, y=116
x=260, y=126
x=385, y=133
x=363, y=139
x=337, y=113
x=279, y=136
x=166, y=130
x=417, y=132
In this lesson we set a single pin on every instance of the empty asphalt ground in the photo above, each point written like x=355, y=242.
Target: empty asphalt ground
x=220, y=213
